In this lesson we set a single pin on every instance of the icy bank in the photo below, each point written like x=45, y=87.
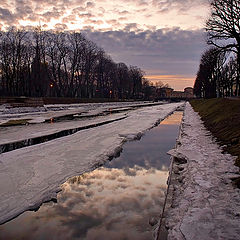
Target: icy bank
x=40, y=114
x=205, y=204
x=32, y=175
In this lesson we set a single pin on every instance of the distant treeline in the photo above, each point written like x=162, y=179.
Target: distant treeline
x=219, y=70
x=66, y=64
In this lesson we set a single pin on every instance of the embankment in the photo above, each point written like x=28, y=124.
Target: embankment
x=202, y=202
x=222, y=118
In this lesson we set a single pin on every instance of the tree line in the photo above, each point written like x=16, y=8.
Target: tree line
x=219, y=69
x=63, y=64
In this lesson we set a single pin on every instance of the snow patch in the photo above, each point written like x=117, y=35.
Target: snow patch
x=205, y=204
x=32, y=175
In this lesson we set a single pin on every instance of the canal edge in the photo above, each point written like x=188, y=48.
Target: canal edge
x=162, y=230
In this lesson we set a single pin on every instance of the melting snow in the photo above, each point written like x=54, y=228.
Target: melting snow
x=205, y=204
x=32, y=175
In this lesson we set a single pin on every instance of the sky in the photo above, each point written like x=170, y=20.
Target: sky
x=165, y=38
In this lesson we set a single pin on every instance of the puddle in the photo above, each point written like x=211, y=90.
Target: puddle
x=116, y=201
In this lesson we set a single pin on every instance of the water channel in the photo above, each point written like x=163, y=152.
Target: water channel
x=116, y=201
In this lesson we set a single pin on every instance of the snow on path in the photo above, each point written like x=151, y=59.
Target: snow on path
x=205, y=203
x=31, y=175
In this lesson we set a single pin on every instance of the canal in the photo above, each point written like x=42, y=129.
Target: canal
x=121, y=200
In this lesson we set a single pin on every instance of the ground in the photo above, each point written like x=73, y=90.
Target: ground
x=204, y=202
x=222, y=118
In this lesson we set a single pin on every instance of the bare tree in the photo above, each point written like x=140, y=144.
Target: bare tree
x=206, y=84
x=39, y=64
x=136, y=77
x=122, y=80
x=223, y=29
x=228, y=77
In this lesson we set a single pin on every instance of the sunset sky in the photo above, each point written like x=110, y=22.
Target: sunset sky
x=163, y=37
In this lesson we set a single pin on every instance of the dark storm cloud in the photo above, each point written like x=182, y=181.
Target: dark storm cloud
x=174, y=50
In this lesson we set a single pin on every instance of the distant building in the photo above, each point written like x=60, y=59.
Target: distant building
x=188, y=90
x=177, y=94
x=187, y=94
x=153, y=92
x=166, y=92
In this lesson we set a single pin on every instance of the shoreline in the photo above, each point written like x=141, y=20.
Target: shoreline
x=202, y=202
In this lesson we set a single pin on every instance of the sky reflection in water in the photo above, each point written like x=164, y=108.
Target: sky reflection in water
x=113, y=202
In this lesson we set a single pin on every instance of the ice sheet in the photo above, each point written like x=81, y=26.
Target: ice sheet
x=21, y=133
x=32, y=175
x=40, y=114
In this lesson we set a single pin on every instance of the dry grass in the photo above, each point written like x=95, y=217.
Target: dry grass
x=14, y=122
x=222, y=118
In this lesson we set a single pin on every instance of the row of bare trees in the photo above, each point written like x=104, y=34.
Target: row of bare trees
x=39, y=64
x=217, y=75
x=219, y=70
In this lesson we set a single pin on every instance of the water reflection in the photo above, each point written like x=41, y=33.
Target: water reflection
x=112, y=202
x=150, y=152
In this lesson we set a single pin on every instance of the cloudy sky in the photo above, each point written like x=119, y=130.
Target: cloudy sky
x=163, y=37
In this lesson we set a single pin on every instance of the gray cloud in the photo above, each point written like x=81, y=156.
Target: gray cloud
x=51, y=14
x=60, y=26
x=166, y=51
x=172, y=51
x=6, y=15
x=105, y=210
x=131, y=27
x=46, y=10
x=90, y=4
x=125, y=12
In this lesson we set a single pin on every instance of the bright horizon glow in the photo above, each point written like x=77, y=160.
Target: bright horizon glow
x=177, y=82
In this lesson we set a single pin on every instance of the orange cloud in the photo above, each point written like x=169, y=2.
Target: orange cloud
x=178, y=82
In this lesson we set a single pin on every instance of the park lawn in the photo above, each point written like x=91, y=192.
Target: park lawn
x=222, y=117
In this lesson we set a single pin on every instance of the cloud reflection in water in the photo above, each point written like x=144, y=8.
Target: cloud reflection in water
x=112, y=202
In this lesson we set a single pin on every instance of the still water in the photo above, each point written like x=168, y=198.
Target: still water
x=113, y=202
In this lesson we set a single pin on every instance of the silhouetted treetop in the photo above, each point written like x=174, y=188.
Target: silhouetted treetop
x=62, y=64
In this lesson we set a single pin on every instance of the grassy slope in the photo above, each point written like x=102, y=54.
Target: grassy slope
x=222, y=118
